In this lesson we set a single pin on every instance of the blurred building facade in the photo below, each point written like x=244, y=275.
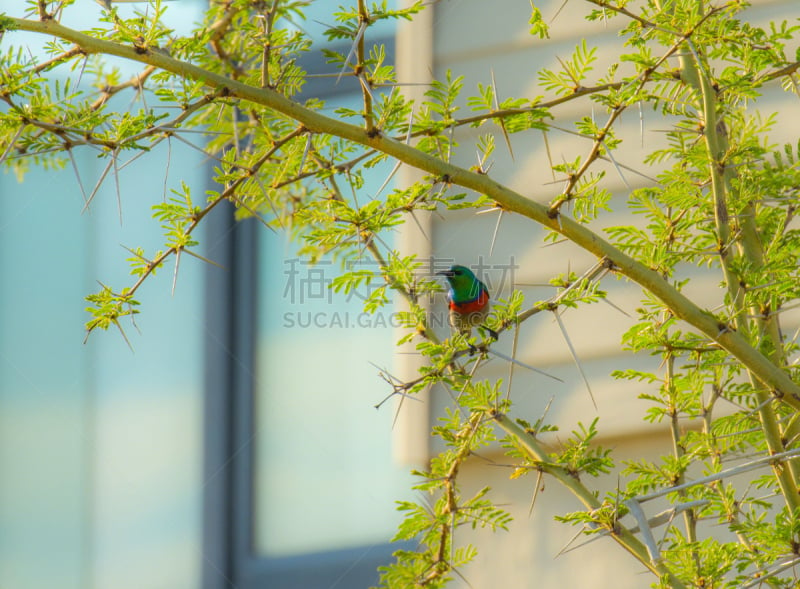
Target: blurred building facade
x=220, y=452
x=482, y=44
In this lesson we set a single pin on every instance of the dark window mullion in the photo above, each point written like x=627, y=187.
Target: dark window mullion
x=227, y=423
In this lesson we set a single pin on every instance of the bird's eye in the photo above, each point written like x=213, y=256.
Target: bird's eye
x=457, y=272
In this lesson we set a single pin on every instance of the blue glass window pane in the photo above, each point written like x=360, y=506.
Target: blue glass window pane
x=100, y=447
x=324, y=474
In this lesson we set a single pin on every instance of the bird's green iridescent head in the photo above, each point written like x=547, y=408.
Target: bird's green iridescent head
x=463, y=283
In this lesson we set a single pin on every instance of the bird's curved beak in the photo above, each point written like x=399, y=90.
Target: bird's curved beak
x=446, y=273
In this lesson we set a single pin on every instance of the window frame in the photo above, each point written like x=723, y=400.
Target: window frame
x=228, y=557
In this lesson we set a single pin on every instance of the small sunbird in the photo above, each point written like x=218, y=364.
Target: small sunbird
x=468, y=299
x=470, y=305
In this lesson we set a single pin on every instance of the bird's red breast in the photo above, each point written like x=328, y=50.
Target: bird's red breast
x=470, y=307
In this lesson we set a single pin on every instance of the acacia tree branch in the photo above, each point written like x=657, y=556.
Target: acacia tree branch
x=228, y=194
x=717, y=147
x=778, y=380
x=359, y=69
x=786, y=70
x=136, y=81
x=510, y=112
x=72, y=137
x=594, y=153
x=530, y=446
x=58, y=59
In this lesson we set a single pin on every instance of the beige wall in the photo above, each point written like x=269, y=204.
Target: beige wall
x=474, y=38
